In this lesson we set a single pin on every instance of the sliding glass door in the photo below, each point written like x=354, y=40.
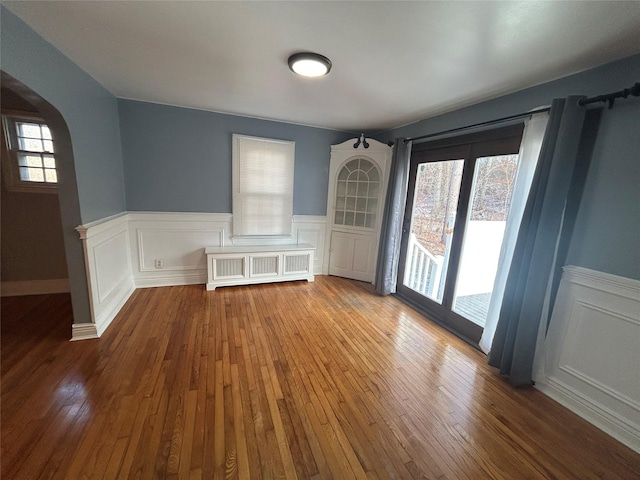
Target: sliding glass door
x=457, y=206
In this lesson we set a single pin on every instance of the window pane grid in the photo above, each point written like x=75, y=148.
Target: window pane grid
x=37, y=168
x=34, y=137
x=31, y=151
x=357, y=194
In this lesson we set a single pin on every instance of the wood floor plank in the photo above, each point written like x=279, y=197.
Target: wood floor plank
x=321, y=380
x=219, y=453
x=238, y=415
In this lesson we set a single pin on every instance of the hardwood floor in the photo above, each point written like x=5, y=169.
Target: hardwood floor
x=322, y=380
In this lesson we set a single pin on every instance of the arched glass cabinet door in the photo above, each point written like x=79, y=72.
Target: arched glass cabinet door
x=357, y=194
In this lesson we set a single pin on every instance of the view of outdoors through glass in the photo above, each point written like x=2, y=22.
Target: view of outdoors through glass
x=36, y=162
x=432, y=222
x=432, y=226
x=491, y=194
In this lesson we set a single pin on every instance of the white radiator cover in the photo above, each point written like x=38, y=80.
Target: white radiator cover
x=590, y=359
x=252, y=264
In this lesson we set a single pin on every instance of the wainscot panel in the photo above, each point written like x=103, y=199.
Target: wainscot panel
x=592, y=351
x=310, y=229
x=109, y=273
x=168, y=248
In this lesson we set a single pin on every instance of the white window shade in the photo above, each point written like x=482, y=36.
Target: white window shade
x=262, y=186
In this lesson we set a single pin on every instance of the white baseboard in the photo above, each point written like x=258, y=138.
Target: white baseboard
x=86, y=331
x=109, y=311
x=592, y=413
x=34, y=287
x=83, y=331
x=199, y=278
x=588, y=360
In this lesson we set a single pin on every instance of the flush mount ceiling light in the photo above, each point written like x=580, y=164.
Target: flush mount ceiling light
x=309, y=64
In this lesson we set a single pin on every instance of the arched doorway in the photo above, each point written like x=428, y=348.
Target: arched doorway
x=67, y=194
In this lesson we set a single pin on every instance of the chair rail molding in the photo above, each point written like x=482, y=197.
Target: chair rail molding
x=590, y=359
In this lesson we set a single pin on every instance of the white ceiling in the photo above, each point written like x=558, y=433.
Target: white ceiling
x=393, y=62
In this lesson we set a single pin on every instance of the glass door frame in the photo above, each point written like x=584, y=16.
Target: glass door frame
x=502, y=141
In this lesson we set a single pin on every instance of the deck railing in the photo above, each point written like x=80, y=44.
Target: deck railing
x=423, y=274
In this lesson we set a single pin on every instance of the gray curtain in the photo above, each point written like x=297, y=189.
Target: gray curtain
x=392, y=220
x=536, y=258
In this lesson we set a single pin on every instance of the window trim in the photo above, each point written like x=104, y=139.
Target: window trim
x=11, y=173
x=366, y=212
x=238, y=236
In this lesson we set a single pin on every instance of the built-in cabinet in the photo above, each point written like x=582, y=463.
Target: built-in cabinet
x=358, y=175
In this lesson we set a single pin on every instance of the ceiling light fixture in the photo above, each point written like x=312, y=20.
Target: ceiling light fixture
x=309, y=64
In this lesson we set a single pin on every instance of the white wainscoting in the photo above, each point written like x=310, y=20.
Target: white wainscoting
x=109, y=274
x=177, y=240
x=155, y=249
x=592, y=351
x=310, y=229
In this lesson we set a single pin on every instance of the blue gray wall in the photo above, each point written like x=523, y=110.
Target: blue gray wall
x=84, y=120
x=179, y=160
x=90, y=111
x=612, y=76
x=607, y=232
x=606, y=236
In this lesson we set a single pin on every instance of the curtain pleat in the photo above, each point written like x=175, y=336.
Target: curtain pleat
x=535, y=257
x=528, y=155
x=392, y=220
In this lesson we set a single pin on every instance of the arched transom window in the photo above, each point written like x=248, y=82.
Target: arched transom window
x=357, y=194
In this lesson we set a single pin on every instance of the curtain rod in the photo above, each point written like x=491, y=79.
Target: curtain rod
x=481, y=124
x=609, y=98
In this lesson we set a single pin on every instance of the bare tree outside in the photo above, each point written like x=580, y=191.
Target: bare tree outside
x=436, y=196
x=435, y=207
x=436, y=199
x=495, y=179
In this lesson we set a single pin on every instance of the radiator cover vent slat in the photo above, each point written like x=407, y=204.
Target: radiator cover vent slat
x=296, y=263
x=265, y=265
x=229, y=267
